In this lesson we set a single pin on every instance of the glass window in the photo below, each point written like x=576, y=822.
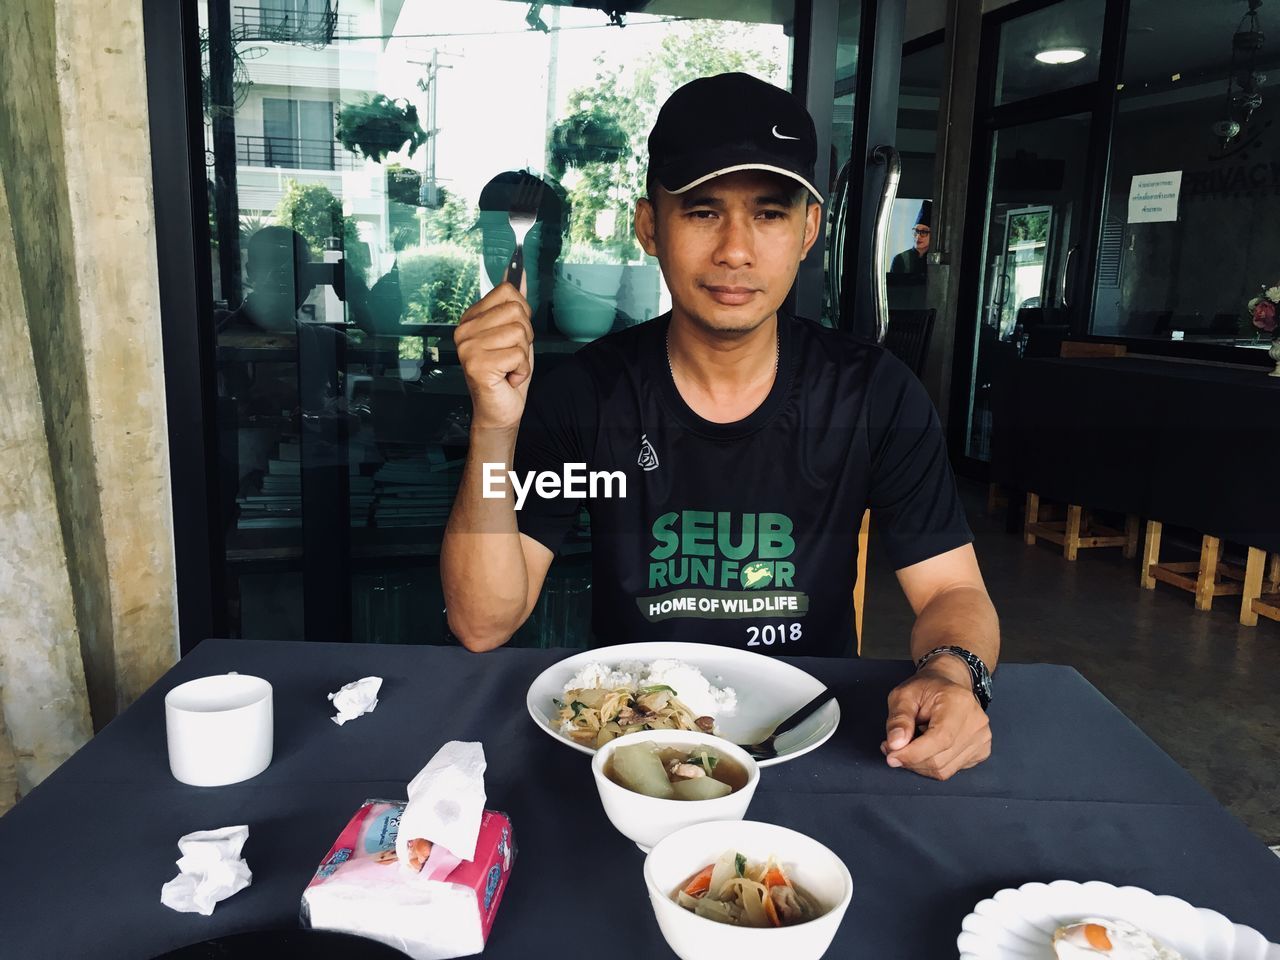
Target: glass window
x=1050, y=49
x=1191, y=231
x=361, y=166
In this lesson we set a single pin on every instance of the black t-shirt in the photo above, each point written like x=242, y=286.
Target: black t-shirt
x=742, y=534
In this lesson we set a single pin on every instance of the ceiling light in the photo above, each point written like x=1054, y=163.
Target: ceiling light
x=1061, y=55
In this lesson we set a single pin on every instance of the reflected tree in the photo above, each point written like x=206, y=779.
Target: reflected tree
x=603, y=138
x=316, y=213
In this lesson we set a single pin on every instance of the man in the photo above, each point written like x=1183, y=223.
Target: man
x=750, y=442
x=914, y=262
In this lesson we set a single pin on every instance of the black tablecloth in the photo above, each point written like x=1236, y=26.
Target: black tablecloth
x=1187, y=444
x=1073, y=791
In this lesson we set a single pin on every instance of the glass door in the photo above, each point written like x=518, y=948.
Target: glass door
x=1019, y=265
x=1032, y=232
x=1035, y=167
x=358, y=170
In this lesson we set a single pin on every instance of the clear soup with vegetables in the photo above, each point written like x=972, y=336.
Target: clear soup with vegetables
x=675, y=772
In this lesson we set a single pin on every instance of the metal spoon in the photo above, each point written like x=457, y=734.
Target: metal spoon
x=765, y=749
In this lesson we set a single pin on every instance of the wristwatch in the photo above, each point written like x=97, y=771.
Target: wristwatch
x=977, y=670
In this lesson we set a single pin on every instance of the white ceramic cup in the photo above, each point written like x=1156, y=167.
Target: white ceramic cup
x=220, y=729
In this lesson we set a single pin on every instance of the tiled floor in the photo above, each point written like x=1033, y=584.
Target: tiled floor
x=1199, y=684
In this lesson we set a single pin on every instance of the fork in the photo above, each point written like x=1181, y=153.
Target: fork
x=765, y=749
x=522, y=216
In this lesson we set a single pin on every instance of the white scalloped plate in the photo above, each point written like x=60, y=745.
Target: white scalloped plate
x=1019, y=924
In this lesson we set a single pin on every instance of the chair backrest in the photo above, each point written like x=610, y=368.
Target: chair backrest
x=908, y=337
x=1029, y=317
x=860, y=584
x=1046, y=340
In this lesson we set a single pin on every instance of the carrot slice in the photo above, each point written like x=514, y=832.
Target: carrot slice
x=1096, y=934
x=771, y=911
x=701, y=882
x=776, y=878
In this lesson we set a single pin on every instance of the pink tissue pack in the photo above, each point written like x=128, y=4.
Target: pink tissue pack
x=447, y=910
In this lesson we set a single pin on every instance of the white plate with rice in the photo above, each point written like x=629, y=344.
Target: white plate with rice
x=747, y=694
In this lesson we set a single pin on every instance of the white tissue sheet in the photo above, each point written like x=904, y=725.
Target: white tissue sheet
x=210, y=869
x=355, y=699
x=446, y=802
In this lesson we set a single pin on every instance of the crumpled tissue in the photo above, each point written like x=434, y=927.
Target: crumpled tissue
x=356, y=699
x=210, y=869
x=446, y=803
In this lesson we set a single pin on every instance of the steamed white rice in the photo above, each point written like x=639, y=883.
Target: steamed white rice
x=691, y=687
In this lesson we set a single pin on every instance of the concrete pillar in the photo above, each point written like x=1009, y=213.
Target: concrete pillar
x=8, y=770
x=44, y=711
x=75, y=164
x=103, y=93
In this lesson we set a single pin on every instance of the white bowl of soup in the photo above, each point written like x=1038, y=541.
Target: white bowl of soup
x=655, y=782
x=808, y=888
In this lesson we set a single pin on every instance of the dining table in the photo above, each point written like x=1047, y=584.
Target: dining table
x=1073, y=790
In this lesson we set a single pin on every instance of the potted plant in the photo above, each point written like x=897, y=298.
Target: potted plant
x=377, y=125
x=404, y=185
x=585, y=297
x=586, y=137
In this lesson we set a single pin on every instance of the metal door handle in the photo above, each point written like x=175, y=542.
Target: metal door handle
x=839, y=216
x=888, y=156
x=1066, y=275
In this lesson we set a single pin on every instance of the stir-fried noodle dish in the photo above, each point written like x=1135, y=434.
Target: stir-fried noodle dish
x=595, y=716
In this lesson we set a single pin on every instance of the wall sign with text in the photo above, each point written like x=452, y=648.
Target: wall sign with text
x=1153, y=197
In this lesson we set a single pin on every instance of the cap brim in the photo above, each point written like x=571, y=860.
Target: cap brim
x=735, y=168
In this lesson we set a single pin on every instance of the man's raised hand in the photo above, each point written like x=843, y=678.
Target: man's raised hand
x=494, y=339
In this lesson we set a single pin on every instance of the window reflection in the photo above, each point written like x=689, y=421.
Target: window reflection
x=360, y=166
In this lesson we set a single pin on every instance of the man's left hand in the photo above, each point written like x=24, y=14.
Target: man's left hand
x=936, y=726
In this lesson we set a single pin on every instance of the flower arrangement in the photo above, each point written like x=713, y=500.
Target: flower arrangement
x=1263, y=310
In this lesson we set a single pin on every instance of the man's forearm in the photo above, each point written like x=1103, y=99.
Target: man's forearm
x=962, y=616
x=482, y=567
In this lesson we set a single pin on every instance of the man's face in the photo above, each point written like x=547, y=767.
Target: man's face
x=923, y=236
x=730, y=248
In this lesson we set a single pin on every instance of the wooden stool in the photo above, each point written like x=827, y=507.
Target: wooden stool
x=1078, y=530
x=996, y=498
x=1254, y=599
x=1207, y=578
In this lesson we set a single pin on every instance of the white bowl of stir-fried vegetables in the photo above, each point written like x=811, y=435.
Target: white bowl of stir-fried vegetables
x=747, y=890
x=647, y=804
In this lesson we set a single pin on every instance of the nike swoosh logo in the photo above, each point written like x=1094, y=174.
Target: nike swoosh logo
x=782, y=136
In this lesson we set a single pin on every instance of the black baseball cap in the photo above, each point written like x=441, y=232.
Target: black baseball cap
x=730, y=122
